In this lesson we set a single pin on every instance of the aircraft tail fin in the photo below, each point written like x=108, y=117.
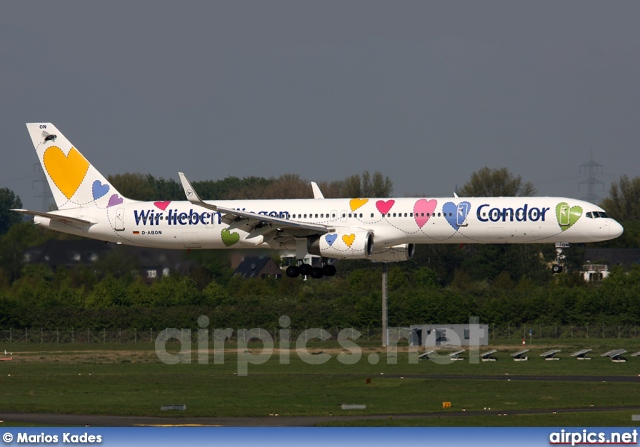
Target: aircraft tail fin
x=74, y=182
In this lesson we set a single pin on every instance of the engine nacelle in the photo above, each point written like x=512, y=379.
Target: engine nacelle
x=343, y=244
x=397, y=253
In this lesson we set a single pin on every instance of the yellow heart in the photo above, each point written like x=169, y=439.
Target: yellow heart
x=66, y=171
x=348, y=239
x=357, y=203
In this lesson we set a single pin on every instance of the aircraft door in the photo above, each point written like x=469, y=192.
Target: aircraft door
x=462, y=213
x=564, y=215
x=120, y=219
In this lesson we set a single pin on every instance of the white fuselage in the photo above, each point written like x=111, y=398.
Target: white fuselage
x=181, y=224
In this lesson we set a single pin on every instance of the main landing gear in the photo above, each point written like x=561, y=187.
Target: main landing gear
x=558, y=266
x=293, y=271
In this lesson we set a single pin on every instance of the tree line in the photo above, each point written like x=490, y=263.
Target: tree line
x=67, y=299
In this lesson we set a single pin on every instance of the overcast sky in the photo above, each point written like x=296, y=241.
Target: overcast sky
x=423, y=92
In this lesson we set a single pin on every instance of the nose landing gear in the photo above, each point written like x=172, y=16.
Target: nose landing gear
x=558, y=267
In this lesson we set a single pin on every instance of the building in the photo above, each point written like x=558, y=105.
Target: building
x=625, y=257
x=150, y=263
x=598, y=261
x=258, y=267
x=449, y=335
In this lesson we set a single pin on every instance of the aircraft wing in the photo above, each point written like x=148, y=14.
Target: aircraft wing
x=254, y=220
x=58, y=217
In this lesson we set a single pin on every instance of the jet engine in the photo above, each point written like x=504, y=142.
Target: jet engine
x=344, y=244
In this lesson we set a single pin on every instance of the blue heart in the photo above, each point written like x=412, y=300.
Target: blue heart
x=456, y=214
x=99, y=189
x=331, y=238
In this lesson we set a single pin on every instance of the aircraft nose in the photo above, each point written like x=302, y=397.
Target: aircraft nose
x=615, y=229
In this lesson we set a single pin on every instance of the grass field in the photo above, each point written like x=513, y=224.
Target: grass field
x=131, y=380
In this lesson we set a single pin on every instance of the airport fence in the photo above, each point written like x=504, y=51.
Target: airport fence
x=515, y=333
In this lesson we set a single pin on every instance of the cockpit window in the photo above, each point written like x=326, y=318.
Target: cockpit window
x=597, y=215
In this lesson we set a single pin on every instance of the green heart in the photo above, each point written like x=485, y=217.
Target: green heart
x=566, y=215
x=229, y=238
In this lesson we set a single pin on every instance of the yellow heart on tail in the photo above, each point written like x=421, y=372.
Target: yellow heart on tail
x=66, y=171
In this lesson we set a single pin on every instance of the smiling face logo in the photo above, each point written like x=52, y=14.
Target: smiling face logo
x=66, y=171
x=567, y=216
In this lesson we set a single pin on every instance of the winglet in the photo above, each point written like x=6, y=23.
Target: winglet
x=192, y=195
x=317, y=194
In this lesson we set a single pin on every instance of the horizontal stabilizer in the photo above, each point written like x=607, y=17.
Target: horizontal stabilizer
x=53, y=216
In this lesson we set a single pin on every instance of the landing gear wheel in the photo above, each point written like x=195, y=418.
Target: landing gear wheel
x=305, y=269
x=317, y=273
x=557, y=267
x=292, y=271
x=329, y=270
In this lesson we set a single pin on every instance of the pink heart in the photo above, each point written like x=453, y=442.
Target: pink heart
x=383, y=206
x=423, y=209
x=162, y=205
x=114, y=200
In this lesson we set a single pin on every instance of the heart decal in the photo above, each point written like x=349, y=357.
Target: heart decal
x=422, y=211
x=229, y=238
x=456, y=215
x=348, y=239
x=357, y=203
x=98, y=189
x=567, y=216
x=66, y=171
x=162, y=205
x=385, y=207
x=114, y=200
x=331, y=238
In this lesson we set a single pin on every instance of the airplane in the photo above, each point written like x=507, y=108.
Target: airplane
x=378, y=229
